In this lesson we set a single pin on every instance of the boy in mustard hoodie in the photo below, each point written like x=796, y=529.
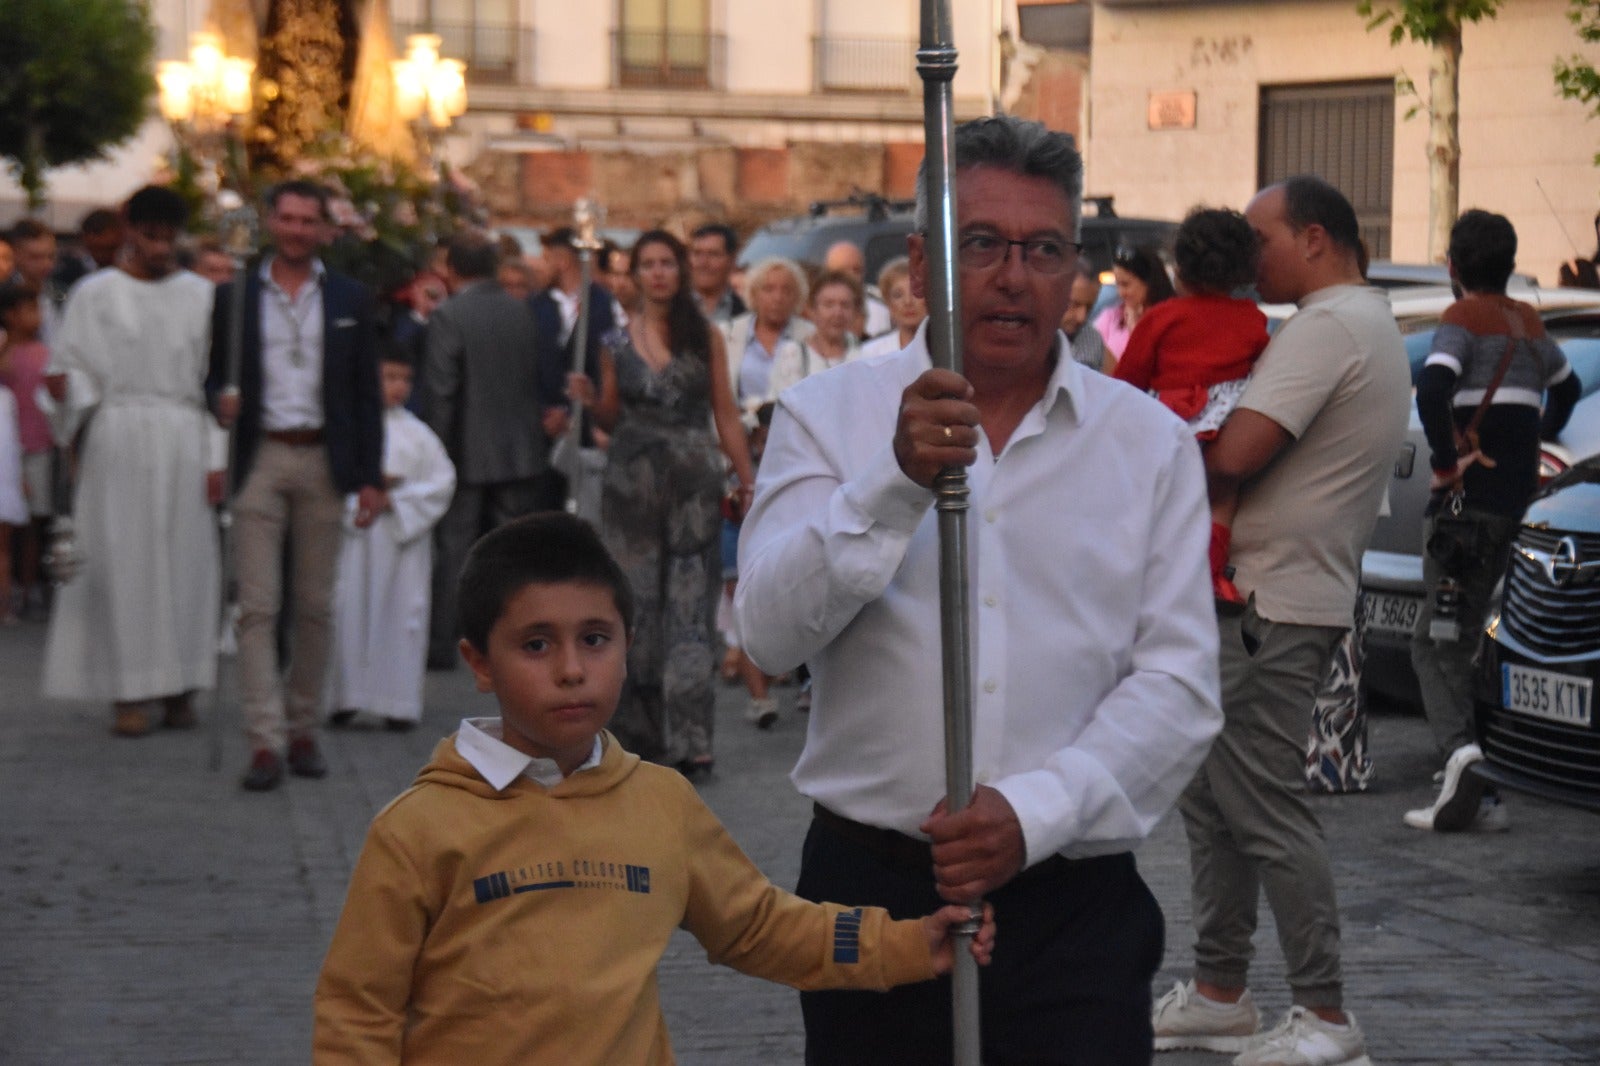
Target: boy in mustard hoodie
x=512, y=905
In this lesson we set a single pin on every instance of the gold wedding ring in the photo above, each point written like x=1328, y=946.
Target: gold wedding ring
x=948, y=433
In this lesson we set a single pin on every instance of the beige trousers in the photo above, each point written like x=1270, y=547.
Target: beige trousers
x=289, y=490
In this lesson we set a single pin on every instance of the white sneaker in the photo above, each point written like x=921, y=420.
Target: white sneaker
x=1303, y=1039
x=1460, y=795
x=1183, y=1018
x=763, y=712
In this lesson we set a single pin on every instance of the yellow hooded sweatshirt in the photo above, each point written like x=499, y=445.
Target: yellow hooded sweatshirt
x=525, y=925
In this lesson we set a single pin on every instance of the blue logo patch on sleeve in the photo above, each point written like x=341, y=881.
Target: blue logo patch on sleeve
x=495, y=886
x=847, y=937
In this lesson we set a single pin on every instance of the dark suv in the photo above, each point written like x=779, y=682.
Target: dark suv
x=1540, y=658
x=879, y=227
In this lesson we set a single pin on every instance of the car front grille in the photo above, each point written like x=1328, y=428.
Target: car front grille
x=1544, y=617
x=1549, y=752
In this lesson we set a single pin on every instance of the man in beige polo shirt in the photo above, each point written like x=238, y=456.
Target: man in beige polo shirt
x=1309, y=449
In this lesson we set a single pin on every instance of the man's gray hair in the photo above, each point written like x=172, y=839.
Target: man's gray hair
x=1017, y=145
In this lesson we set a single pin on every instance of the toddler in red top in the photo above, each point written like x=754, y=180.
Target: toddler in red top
x=1195, y=353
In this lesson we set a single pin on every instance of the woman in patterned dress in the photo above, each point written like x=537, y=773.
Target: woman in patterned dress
x=660, y=378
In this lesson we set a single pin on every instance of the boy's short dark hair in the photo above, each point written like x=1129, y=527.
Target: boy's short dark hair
x=1215, y=250
x=15, y=293
x=157, y=206
x=1483, y=249
x=549, y=548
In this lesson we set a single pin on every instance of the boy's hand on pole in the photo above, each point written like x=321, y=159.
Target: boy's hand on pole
x=937, y=926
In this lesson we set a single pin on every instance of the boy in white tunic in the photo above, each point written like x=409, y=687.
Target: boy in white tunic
x=382, y=598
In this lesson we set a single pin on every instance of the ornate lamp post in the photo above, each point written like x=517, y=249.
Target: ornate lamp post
x=201, y=98
x=430, y=91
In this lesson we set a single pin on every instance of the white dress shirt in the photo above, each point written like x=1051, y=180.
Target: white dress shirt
x=479, y=742
x=1094, y=657
x=291, y=351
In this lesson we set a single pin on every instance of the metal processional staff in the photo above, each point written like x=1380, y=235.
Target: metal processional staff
x=936, y=65
x=586, y=215
x=238, y=228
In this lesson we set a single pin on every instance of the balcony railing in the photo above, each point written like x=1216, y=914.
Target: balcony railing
x=659, y=60
x=493, y=52
x=861, y=64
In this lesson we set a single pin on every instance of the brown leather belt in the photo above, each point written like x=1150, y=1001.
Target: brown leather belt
x=889, y=846
x=296, y=438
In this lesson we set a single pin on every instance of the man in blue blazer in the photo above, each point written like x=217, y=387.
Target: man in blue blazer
x=310, y=431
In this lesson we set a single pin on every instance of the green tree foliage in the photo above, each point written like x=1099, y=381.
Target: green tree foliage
x=1576, y=77
x=75, y=80
x=1428, y=21
x=1437, y=24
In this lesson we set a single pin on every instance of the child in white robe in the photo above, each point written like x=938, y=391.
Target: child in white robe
x=382, y=597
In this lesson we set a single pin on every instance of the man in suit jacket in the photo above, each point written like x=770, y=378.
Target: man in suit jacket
x=310, y=431
x=555, y=316
x=481, y=375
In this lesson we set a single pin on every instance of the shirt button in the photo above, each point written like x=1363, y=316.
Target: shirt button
x=990, y=685
x=989, y=601
x=989, y=516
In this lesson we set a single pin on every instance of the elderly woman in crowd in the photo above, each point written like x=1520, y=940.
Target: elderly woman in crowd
x=776, y=290
x=834, y=308
x=906, y=308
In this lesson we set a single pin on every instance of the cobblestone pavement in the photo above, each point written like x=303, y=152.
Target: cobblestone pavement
x=155, y=913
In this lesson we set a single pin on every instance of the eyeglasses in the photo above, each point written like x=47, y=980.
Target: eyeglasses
x=1043, y=255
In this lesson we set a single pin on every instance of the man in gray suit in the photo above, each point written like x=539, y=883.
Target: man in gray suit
x=480, y=372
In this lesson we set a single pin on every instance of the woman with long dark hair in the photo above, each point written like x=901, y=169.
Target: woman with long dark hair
x=1142, y=282
x=661, y=516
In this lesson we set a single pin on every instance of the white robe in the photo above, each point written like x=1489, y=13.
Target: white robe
x=140, y=618
x=380, y=620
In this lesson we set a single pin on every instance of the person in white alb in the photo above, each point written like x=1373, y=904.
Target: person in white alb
x=381, y=600
x=1094, y=638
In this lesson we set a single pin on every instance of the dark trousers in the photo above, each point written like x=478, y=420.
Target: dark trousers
x=1077, y=943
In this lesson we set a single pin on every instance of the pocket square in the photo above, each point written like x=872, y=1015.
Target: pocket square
x=343, y=323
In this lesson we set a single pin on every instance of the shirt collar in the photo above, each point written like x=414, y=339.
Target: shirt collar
x=319, y=270
x=479, y=742
x=1328, y=292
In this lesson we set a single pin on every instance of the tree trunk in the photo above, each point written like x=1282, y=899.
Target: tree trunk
x=31, y=177
x=1444, y=140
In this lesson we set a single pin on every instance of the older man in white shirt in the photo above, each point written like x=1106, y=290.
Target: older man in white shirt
x=1094, y=637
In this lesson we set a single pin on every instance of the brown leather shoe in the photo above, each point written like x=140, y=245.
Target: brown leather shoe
x=305, y=760
x=131, y=721
x=178, y=714
x=265, y=773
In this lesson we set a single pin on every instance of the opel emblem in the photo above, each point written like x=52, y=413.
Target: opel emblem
x=1564, y=563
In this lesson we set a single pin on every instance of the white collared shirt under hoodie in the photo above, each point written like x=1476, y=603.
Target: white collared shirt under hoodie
x=481, y=741
x=1094, y=636
x=291, y=351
